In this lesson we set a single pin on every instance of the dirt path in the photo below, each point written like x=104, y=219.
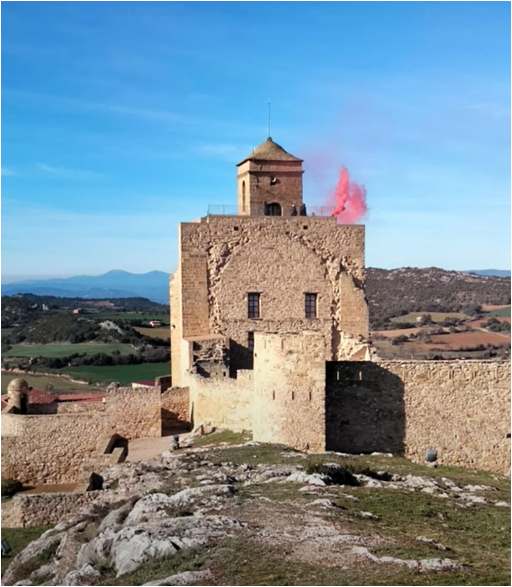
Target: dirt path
x=143, y=449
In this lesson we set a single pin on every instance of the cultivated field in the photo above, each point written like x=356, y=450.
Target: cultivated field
x=436, y=316
x=133, y=316
x=498, y=311
x=162, y=333
x=64, y=350
x=460, y=340
x=398, y=332
x=123, y=374
x=43, y=381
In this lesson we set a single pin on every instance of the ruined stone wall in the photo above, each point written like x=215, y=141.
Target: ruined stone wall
x=282, y=259
x=135, y=413
x=461, y=409
x=82, y=407
x=221, y=402
x=210, y=355
x=47, y=509
x=289, y=390
x=175, y=407
x=50, y=448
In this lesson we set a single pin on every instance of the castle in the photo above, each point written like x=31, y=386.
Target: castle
x=267, y=268
x=269, y=333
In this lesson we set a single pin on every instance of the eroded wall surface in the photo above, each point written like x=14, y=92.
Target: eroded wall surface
x=135, y=413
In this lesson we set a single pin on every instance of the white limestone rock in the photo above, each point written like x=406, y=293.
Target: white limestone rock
x=84, y=576
x=186, y=578
x=152, y=507
x=132, y=546
x=33, y=549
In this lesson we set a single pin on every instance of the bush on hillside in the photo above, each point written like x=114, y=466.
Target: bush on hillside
x=10, y=487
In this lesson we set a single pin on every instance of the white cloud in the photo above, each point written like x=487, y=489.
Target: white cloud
x=66, y=173
x=8, y=172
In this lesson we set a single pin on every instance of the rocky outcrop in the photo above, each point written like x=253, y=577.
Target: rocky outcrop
x=192, y=498
x=127, y=548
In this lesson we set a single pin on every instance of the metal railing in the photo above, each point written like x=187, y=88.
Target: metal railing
x=220, y=210
x=231, y=210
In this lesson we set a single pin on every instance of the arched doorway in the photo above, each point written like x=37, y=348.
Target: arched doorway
x=274, y=209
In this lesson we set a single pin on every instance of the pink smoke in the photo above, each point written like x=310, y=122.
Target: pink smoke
x=348, y=199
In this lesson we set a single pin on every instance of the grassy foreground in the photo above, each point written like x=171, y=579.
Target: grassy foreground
x=475, y=535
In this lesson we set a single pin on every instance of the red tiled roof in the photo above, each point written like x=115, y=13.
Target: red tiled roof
x=36, y=396
x=146, y=382
x=81, y=397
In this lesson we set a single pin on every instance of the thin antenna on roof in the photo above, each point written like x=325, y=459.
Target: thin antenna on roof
x=268, y=103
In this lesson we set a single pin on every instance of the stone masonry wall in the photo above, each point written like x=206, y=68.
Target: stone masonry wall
x=50, y=448
x=289, y=390
x=47, y=509
x=82, y=407
x=461, y=409
x=175, y=407
x=221, y=402
x=259, y=189
x=135, y=413
x=224, y=258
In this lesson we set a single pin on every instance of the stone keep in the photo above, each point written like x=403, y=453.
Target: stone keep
x=271, y=259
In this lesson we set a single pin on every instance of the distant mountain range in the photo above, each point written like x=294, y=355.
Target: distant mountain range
x=490, y=272
x=122, y=284
x=114, y=284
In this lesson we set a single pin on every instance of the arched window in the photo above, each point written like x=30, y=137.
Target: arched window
x=243, y=196
x=274, y=209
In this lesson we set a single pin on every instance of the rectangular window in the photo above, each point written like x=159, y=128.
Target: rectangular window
x=310, y=305
x=253, y=305
x=250, y=341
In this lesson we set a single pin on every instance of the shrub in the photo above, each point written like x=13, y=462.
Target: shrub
x=10, y=487
x=336, y=475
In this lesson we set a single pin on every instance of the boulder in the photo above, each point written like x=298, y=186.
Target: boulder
x=129, y=547
x=152, y=507
x=186, y=578
x=84, y=576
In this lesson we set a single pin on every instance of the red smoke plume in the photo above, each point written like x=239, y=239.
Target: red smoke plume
x=349, y=199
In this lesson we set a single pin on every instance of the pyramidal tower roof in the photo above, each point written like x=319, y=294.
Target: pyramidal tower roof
x=269, y=151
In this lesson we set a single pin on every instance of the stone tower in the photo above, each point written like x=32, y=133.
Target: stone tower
x=266, y=270
x=17, y=390
x=271, y=176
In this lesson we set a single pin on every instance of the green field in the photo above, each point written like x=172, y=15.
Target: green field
x=124, y=374
x=43, y=381
x=163, y=333
x=504, y=312
x=18, y=539
x=132, y=316
x=64, y=350
x=436, y=316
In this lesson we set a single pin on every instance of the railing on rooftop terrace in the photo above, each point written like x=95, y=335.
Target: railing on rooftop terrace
x=230, y=210
x=220, y=210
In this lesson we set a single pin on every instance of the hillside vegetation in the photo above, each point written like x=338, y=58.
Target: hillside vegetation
x=397, y=292
x=43, y=334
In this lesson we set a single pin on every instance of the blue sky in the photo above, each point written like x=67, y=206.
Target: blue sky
x=121, y=119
